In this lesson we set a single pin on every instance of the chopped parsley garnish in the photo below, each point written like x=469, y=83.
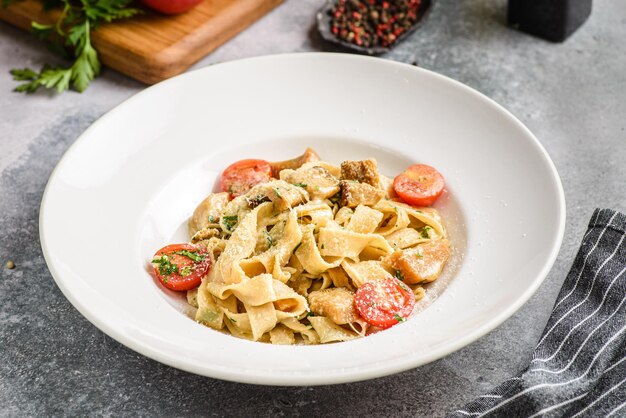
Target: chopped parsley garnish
x=166, y=267
x=230, y=189
x=398, y=274
x=270, y=240
x=186, y=271
x=425, y=231
x=276, y=192
x=191, y=254
x=303, y=185
x=310, y=314
x=398, y=318
x=229, y=222
x=211, y=218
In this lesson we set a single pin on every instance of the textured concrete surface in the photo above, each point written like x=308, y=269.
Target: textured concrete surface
x=55, y=363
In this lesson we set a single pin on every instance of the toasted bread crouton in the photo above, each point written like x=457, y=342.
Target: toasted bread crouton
x=354, y=194
x=421, y=264
x=365, y=171
x=336, y=303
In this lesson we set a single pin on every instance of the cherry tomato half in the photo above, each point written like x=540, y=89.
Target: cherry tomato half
x=181, y=266
x=419, y=185
x=385, y=302
x=241, y=176
x=171, y=7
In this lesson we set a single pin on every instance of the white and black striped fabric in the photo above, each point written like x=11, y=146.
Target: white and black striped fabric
x=579, y=365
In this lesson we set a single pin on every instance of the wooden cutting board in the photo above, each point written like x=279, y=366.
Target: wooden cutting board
x=152, y=47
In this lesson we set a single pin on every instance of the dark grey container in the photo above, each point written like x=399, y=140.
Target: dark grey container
x=554, y=20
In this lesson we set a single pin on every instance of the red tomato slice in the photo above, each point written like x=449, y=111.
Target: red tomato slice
x=385, y=302
x=181, y=266
x=419, y=185
x=241, y=176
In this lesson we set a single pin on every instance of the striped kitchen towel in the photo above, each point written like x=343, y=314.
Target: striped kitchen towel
x=579, y=365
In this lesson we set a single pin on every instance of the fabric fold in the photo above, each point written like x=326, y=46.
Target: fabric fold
x=578, y=367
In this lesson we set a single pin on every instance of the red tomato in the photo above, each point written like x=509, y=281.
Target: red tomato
x=419, y=185
x=385, y=302
x=171, y=6
x=181, y=266
x=239, y=177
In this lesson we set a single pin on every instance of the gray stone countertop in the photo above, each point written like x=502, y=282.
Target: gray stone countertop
x=55, y=363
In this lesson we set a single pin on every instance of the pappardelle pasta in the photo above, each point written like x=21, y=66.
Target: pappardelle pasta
x=303, y=251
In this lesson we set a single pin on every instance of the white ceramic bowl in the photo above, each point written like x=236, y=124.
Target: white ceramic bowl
x=129, y=183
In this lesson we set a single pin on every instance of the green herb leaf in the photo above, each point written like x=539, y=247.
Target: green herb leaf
x=425, y=232
x=165, y=267
x=398, y=274
x=303, y=185
x=270, y=240
x=194, y=255
x=229, y=222
x=398, y=318
x=211, y=218
x=186, y=271
x=23, y=74
x=277, y=193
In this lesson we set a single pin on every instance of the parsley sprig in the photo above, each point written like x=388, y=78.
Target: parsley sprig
x=72, y=31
